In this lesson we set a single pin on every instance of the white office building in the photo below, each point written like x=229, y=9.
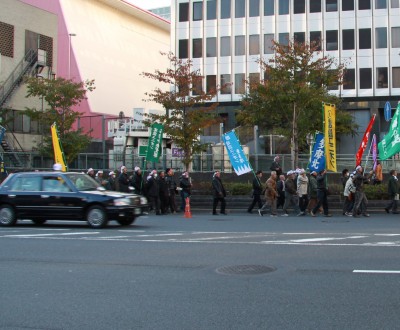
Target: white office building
x=224, y=38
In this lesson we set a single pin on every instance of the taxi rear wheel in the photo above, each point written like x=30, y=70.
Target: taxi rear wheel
x=7, y=216
x=96, y=217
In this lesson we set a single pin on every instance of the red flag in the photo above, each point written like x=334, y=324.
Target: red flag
x=364, y=141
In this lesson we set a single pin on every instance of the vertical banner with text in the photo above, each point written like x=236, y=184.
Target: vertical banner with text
x=390, y=145
x=330, y=136
x=236, y=155
x=155, y=143
x=317, y=162
x=58, y=152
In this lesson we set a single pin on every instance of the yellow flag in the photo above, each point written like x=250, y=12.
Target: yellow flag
x=58, y=153
x=330, y=136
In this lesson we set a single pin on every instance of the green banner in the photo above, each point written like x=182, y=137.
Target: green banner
x=390, y=145
x=155, y=143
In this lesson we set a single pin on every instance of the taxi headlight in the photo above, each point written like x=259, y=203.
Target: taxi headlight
x=122, y=202
x=143, y=200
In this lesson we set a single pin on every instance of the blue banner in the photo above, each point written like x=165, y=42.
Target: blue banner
x=236, y=155
x=317, y=162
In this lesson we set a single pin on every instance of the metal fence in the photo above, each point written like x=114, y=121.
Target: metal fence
x=203, y=162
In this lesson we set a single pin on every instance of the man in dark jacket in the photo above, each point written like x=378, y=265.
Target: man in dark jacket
x=123, y=180
x=153, y=192
x=219, y=193
x=360, y=199
x=185, y=186
x=280, y=187
x=169, y=178
x=276, y=166
x=393, y=190
x=164, y=193
x=322, y=195
x=138, y=181
x=257, y=191
x=291, y=194
x=111, y=184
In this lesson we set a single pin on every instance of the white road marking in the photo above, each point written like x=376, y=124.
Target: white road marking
x=377, y=271
x=55, y=234
x=160, y=235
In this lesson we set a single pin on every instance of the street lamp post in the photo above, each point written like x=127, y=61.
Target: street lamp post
x=70, y=35
x=310, y=141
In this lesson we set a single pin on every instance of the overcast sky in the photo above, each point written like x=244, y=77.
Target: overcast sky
x=150, y=4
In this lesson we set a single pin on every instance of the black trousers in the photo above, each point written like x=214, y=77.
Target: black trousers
x=322, y=199
x=215, y=204
x=256, y=200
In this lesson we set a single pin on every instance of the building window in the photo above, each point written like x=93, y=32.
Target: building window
x=299, y=7
x=239, y=83
x=211, y=84
x=197, y=48
x=348, y=39
x=347, y=5
x=211, y=9
x=395, y=37
x=197, y=86
x=335, y=84
x=349, y=79
x=332, y=40
x=315, y=38
x=197, y=11
x=315, y=6
x=364, y=4
x=254, y=9
x=226, y=85
x=331, y=5
x=184, y=12
x=240, y=45
x=365, y=78
x=396, y=77
x=269, y=7
x=254, y=44
x=395, y=3
x=382, y=77
x=254, y=79
x=268, y=43
x=225, y=9
x=299, y=37
x=364, y=36
x=6, y=40
x=283, y=7
x=284, y=39
x=183, y=48
x=211, y=47
x=381, y=37
x=240, y=8
x=380, y=4
x=225, y=46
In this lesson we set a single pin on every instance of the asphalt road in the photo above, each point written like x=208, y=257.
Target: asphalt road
x=238, y=271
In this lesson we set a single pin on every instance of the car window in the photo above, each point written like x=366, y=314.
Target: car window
x=83, y=181
x=25, y=183
x=55, y=184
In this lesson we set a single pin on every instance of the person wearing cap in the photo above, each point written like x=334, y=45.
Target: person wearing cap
x=256, y=192
x=348, y=193
x=360, y=199
x=219, y=193
x=322, y=195
x=172, y=190
x=271, y=195
x=111, y=183
x=153, y=192
x=290, y=194
x=302, y=191
x=57, y=167
x=90, y=172
x=123, y=180
x=99, y=177
x=185, y=186
x=138, y=181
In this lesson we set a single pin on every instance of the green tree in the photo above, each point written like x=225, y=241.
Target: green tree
x=186, y=114
x=59, y=97
x=289, y=100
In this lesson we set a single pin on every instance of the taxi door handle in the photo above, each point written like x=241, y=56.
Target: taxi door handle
x=45, y=196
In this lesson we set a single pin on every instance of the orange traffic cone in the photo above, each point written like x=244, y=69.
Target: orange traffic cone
x=187, y=214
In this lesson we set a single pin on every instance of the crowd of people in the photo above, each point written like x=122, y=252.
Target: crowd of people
x=160, y=188
x=299, y=191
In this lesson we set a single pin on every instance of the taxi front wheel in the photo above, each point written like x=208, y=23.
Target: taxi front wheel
x=96, y=217
x=7, y=215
